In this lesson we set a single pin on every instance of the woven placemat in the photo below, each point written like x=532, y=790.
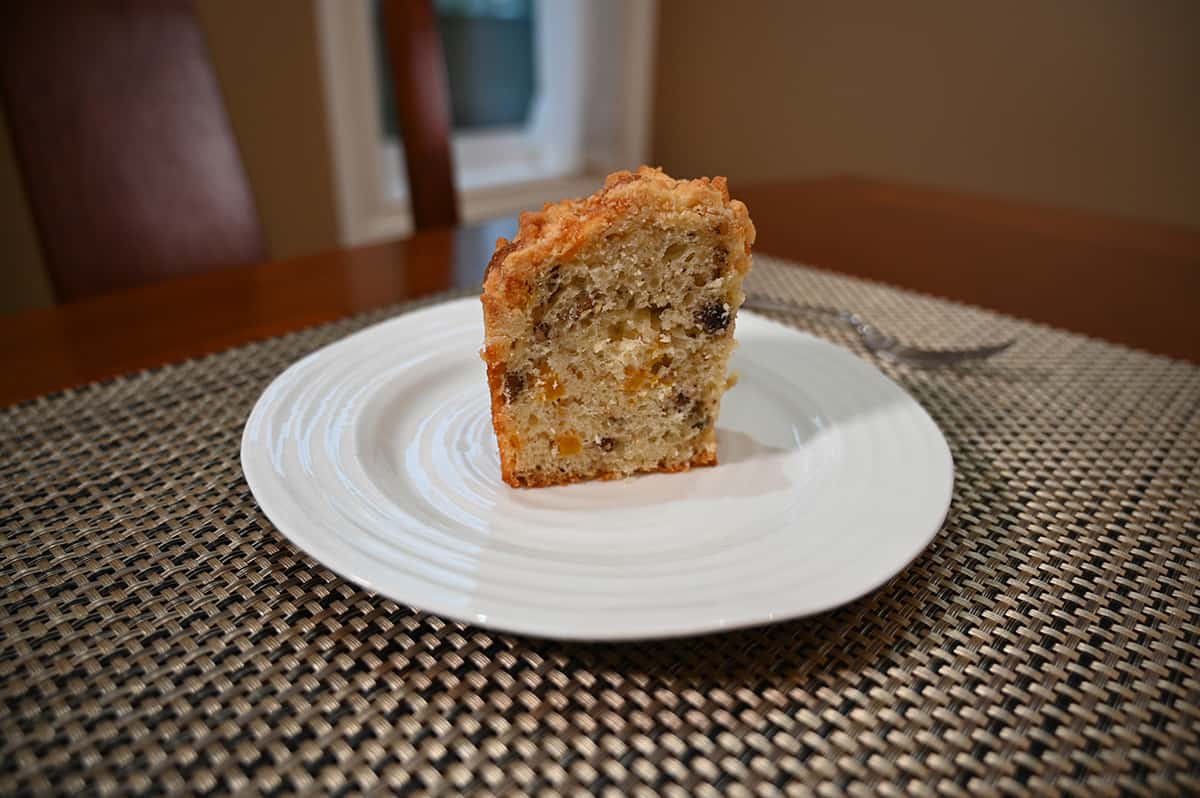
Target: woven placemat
x=158, y=635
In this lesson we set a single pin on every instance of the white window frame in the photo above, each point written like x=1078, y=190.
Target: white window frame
x=565, y=150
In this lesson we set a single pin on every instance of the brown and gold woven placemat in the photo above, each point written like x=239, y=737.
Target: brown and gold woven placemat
x=158, y=635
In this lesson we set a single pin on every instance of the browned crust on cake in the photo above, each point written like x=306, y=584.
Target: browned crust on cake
x=561, y=229
x=506, y=438
x=701, y=460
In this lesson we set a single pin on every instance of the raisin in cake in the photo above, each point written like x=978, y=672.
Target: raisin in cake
x=609, y=325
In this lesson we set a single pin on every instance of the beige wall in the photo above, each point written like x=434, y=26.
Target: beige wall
x=1092, y=104
x=266, y=58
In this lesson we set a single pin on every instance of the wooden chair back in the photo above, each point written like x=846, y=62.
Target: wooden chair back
x=126, y=151
x=422, y=91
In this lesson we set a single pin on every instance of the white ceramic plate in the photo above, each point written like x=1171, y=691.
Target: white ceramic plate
x=376, y=456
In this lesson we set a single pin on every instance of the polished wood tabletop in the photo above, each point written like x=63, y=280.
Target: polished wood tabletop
x=1131, y=282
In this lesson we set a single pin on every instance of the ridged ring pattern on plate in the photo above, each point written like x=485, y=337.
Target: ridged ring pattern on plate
x=376, y=456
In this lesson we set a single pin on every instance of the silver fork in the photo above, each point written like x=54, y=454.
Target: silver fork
x=881, y=344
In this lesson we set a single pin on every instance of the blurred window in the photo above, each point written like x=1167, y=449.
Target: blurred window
x=546, y=96
x=517, y=81
x=490, y=56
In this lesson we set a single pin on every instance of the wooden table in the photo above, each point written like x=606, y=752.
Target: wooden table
x=1130, y=282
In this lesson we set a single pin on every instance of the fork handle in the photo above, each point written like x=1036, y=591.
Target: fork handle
x=864, y=328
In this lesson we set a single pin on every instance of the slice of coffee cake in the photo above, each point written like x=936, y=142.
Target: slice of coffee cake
x=609, y=324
